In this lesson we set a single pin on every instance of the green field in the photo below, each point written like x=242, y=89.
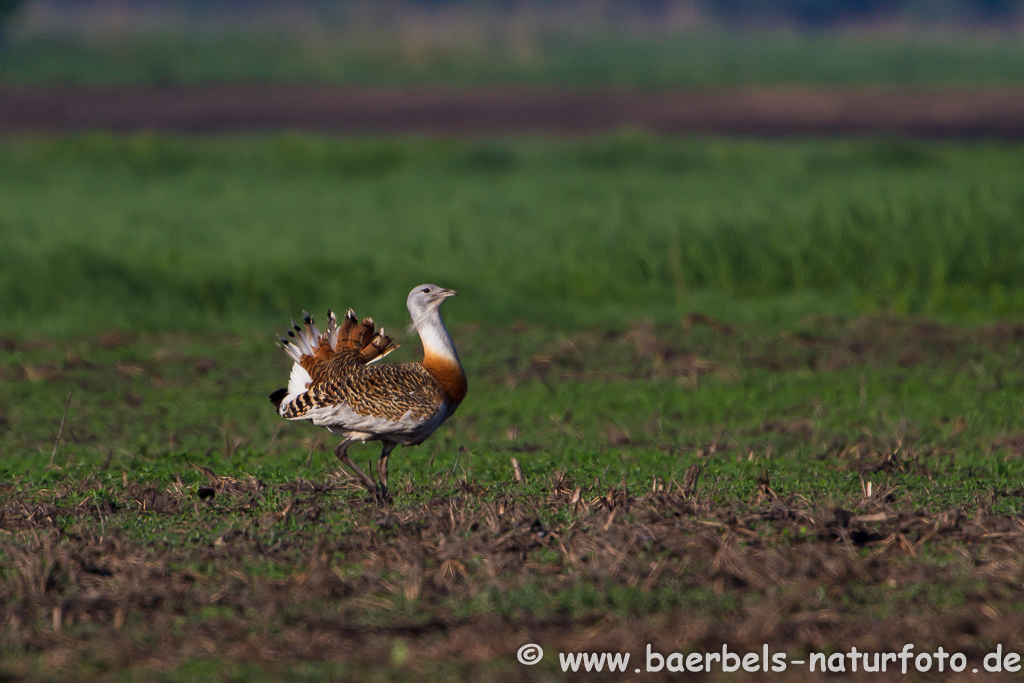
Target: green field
x=826, y=329
x=501, y=55
x=161, y=233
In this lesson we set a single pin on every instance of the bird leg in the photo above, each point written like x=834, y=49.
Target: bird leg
x=382, y=467
x=342, y=452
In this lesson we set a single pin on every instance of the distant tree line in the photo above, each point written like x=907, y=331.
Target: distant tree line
x=806, y=12
x=810, y=13
x=825, y=12
x=7, y=11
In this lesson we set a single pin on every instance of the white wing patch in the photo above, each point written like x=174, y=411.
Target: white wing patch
x=298, y=382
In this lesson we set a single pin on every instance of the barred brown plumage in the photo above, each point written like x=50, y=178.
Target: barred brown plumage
x=334, y=385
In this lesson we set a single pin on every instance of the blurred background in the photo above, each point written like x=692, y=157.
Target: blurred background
x=181, y=164
x=651, y=43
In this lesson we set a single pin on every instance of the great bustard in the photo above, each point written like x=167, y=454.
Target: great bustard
x=333, y=384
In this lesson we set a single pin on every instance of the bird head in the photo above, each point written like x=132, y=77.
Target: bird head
x=425, y=300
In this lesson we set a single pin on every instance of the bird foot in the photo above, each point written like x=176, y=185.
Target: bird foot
x=377, y=494
x=382, y=495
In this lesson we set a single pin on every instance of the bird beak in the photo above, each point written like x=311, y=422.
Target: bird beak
x=445, y=293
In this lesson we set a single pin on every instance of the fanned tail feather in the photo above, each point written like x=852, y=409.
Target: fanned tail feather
x=362, y=339
x=380, y=345
x=331, y=354
x=332, y=330
x=365, y=333
x=347, y=327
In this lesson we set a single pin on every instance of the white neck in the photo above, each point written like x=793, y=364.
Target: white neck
x=435, y=337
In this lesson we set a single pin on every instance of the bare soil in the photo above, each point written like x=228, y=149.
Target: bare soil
x=993, y=113
x=75, y=594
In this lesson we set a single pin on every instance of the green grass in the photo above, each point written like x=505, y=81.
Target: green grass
x=145, y=276
x=685, y=60
x=603, y=411
x=819, y=408
x=164, y=233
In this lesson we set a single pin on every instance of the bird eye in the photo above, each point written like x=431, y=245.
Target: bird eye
x=426, y=290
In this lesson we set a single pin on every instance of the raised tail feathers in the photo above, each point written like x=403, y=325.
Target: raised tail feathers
x=308, y=346
x=363, y=339
x=379, y=346
x=335, y=352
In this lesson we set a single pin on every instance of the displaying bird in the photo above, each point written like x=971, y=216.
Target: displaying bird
x=334, y=385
